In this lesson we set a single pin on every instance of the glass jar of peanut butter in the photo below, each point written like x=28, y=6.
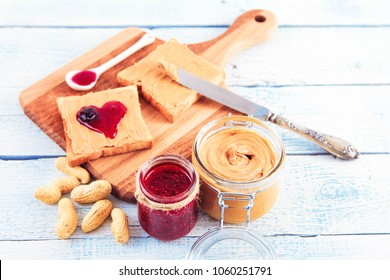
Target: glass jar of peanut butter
x=239, y=160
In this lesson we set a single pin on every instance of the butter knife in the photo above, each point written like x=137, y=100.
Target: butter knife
x=334, y=145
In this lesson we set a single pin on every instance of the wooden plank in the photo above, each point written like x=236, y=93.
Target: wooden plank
x=360, y=247
x=201, y=13
x=341, y=56
x=365, y=127
x=337, y=56
x=355, y=113
x=320, y=195
x=28, y=55
x=37, y=52
x=25, y=140
x=9, y=103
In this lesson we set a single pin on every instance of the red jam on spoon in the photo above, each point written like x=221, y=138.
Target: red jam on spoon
x=103, y=120
x=84, y=78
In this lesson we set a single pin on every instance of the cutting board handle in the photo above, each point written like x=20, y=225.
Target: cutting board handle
x=249, y=29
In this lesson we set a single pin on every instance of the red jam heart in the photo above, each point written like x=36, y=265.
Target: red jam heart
x=103, y=120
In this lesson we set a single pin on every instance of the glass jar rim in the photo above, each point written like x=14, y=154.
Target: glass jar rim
x=241, y=184
x=167, y=159
x=201, y=246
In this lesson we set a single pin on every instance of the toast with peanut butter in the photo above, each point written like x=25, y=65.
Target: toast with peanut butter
x=158, y=88
x=103, y=123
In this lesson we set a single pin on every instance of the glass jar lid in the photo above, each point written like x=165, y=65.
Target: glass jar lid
x=231, y=243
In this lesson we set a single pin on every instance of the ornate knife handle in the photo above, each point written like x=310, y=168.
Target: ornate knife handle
x=336, y=146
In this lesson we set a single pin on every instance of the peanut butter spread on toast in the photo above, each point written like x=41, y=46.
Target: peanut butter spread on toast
x=158, y=88
x=132, y=132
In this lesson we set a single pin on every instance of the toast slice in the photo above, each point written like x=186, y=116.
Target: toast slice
x=167, y=96
x=84, y=144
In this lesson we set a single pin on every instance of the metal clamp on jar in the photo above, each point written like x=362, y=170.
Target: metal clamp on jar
x=239, y=161
x=222, y=196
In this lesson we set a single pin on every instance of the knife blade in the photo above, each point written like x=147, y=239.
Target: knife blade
x=334, y=145
x=221, y=95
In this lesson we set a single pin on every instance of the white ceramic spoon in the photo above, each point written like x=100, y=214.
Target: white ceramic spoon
x=89, y=77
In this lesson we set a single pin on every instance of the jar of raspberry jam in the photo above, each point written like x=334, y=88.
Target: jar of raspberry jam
x=167, y=189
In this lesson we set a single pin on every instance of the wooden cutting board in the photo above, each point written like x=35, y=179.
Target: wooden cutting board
x=39, y=100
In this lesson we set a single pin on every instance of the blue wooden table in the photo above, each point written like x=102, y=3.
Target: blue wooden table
x=328, y=68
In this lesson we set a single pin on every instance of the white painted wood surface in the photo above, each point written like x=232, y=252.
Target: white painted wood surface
x=328, y=67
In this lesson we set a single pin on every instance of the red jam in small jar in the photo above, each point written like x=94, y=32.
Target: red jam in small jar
x=167, y=194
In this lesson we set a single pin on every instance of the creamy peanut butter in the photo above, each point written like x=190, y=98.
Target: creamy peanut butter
x=238, y=155
x=131, y=129
x=169, y=97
